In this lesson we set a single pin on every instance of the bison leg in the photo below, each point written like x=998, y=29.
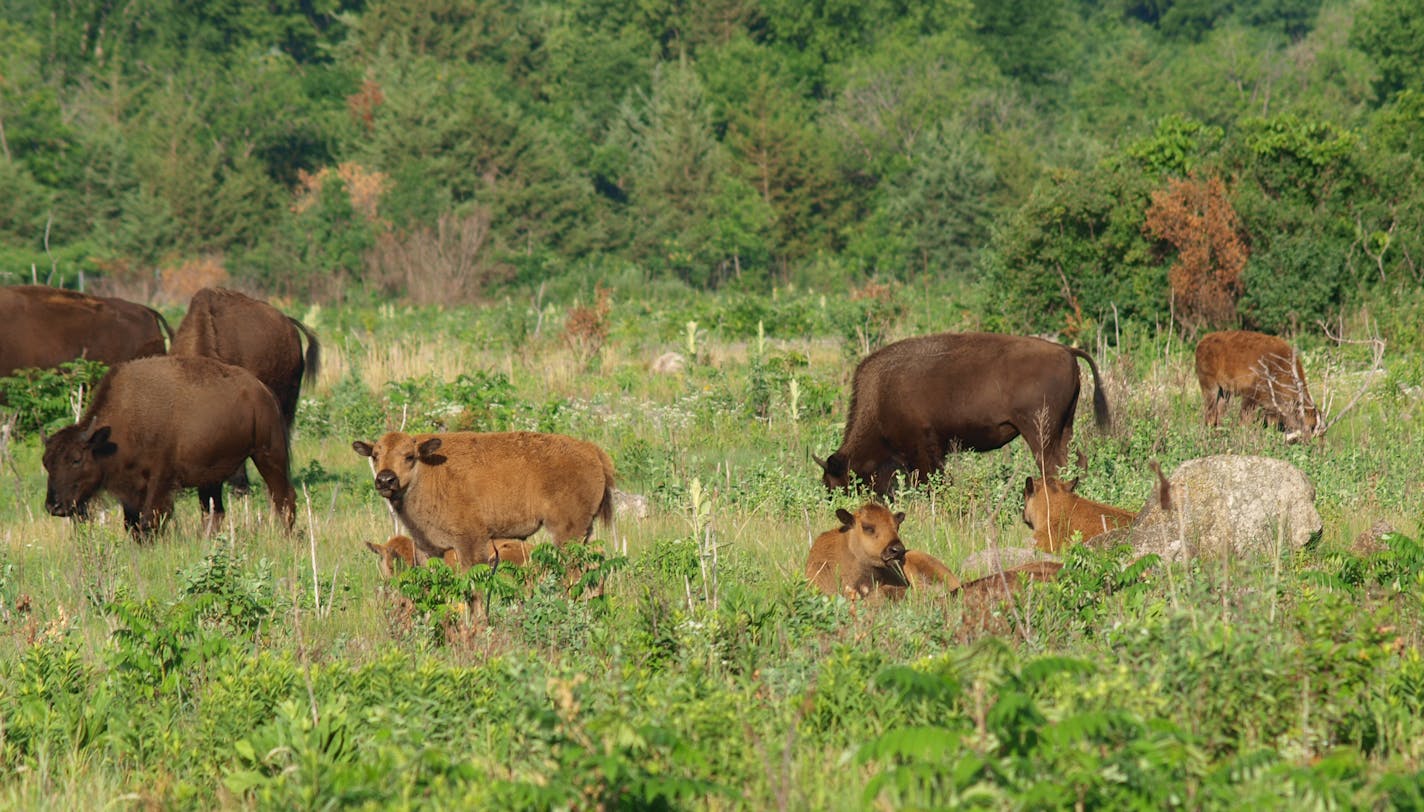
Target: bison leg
x=1213, y=403
x=238, y=482
x=210, y=501
x=272, y=465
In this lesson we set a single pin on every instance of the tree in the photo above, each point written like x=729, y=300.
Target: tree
x=1391, y=33
x=1197, y=220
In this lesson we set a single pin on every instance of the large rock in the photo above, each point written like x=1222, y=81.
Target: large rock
x=1229, y=506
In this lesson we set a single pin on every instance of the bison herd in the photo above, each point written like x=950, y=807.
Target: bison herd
x=226, y=391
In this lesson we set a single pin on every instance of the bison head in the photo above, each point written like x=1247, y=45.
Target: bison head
x=73, y=459
x=395, y=458
x=874, y=532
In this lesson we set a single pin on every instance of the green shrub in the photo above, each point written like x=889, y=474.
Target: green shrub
x=47, y=400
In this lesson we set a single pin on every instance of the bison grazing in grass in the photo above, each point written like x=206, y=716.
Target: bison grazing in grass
x=1265, y=372
x=861, y=556
x=460, y=491
x=44, y=327
x=914, y=401
x=156, y=424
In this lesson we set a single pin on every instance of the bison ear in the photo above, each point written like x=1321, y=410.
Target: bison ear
x=1028, y=487
x=1071, y=485
x=835, y=465
x=847, y=520
x=427, y=449
x=899, y=517
x=364, y=449
x=99, y=442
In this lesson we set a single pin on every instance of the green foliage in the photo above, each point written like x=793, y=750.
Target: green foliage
x=46, y=400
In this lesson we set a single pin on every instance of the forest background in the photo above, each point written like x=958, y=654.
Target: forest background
x=1056, y=165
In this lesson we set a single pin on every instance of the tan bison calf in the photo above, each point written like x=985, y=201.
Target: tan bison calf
x=1055, y=512
x=400, y=551
x=459, y=491
x=1265, y=372
x=156, y=424
x=991, y=604
x=862, y=555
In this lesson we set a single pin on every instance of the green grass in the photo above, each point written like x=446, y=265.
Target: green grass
x=258, y=669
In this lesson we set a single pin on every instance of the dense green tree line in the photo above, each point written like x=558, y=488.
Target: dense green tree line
x=1013, y=148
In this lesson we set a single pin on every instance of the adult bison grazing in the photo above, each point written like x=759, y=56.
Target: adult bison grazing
x=461, y=490
x=1265, y=372
x=156, y=424
x=914, y=401
x=239, y=330
x=44, y=327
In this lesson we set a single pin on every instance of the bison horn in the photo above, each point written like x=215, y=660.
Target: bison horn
x=819, y=461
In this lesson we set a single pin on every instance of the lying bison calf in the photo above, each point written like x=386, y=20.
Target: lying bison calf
x=460, y=491
x=860, y=556
x=400, y=551
x=991, y=604
x=1056, y=513
x=1265, y=372
x=160, y=423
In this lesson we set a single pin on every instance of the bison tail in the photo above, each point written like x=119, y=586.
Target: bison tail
x=162, y=323
x=605, y=508
x=313, y=362
x=1100, y=398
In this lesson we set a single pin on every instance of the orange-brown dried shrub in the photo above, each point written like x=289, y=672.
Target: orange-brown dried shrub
x=586, y=327
x=1197, y=219
x=178, y=283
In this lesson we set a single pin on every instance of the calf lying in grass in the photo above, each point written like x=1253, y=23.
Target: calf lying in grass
x=991, y=604
x=1055, y=512
x=865, y=557
x=400, y=551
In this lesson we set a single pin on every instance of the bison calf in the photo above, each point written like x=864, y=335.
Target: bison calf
x=459, y=491
x=156, y=424
x=991, y=604
x=1055, y=513
x=400, y=551
x=860, y=556
x=1265, y=372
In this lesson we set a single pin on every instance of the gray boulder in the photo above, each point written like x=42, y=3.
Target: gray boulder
x=1229, y=506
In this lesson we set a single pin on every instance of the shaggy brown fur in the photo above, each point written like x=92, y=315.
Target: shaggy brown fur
x=400, y=551
x=916, y=400
x=1055, y=513
x=237, y=329
x=860, y=556
x=44, y=327
x=162, y=423
x=991, y=604
x=1267, y=375
x=461, y=490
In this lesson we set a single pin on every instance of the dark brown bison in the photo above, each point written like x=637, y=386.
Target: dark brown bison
x=44, y=327
x=236, y=329
x=1265, y=372
x=239, y=330
x=861, y=556
x=914, y=401
x=156, y=424
x=461, y=490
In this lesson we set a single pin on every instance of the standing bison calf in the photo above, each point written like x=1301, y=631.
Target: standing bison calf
x=1267, y=375
x=156, y=424
x=460, y=491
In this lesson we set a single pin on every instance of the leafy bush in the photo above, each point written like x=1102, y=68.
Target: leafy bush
x=47, y=400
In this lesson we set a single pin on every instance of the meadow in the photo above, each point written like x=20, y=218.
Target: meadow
x=256, y=669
